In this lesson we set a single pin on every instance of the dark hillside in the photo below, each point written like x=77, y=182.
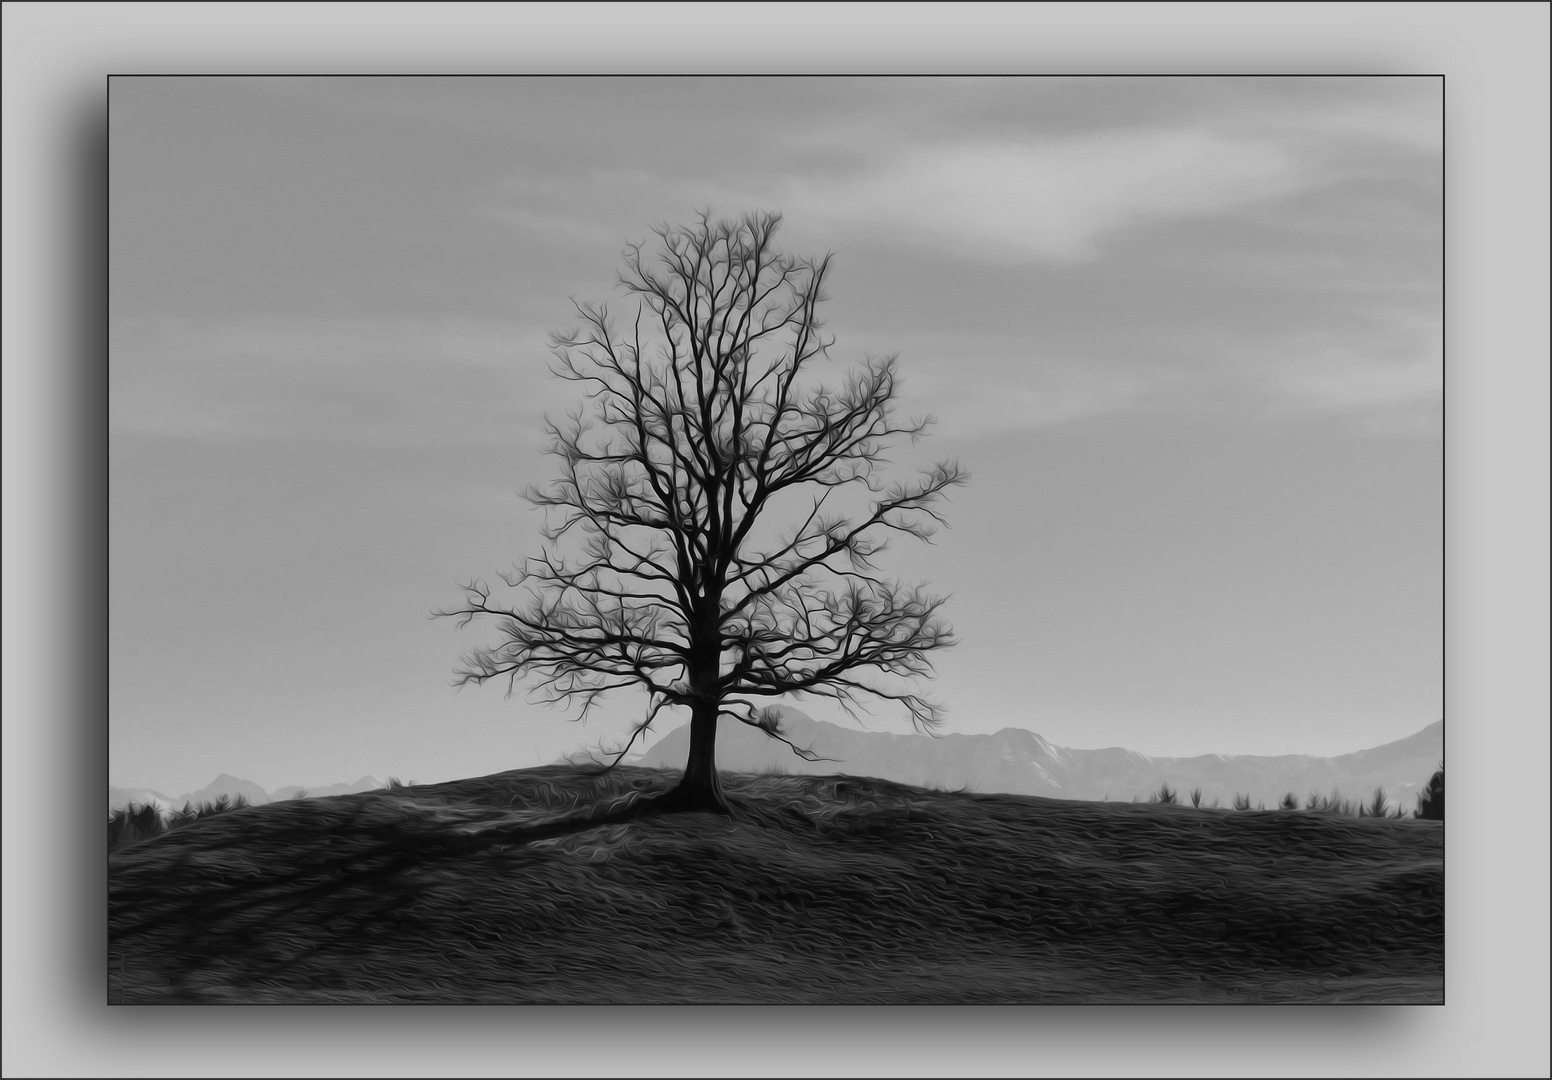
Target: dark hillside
x=540, y=885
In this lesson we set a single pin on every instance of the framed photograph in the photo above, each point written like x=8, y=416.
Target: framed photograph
x=924, y=540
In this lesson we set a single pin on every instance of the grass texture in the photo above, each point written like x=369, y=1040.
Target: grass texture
x=551, y=885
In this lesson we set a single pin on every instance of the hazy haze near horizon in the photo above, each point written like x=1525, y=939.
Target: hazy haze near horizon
x=1185, y=333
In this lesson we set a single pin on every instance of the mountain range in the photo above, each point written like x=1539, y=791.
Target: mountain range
x=1011, y=761
x=1019, y=762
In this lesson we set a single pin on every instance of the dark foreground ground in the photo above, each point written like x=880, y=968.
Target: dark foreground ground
x=819, y=889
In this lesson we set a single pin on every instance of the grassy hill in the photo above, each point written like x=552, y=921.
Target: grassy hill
x=549, y=885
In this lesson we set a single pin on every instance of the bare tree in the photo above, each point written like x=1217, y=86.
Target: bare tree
x=703, y=429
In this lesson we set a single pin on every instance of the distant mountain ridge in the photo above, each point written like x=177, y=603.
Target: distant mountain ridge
x=1019, y=762
x=233, y=786
x=1012, y=761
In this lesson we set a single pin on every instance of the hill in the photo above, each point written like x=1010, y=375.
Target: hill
x=1019, y=762
x=550, y=885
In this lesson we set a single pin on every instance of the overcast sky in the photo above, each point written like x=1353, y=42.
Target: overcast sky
x=1184, y=333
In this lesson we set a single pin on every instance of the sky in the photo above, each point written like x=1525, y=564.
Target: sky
x=1185, y=334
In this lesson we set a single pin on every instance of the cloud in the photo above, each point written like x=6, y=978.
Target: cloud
x=1381, y=372
x=1343, y=379
x=1049, y=199
x=1000, y=171
x=395, y=381
x=1404, y=113
x=997, y=386
x=1389, y=381
x=1052, y=171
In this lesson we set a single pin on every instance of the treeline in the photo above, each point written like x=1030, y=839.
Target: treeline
x=1430, y=802
x=135, y=822
x=128, y=824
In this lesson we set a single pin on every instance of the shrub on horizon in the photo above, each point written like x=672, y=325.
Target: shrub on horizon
x=1376, y=806
x=1430, y=801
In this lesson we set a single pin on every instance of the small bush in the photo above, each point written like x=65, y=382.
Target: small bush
x=1335, y=804
x=1196, y=797
x=1376, y=805
x=1242, y=802
x=1165, y=795
x=1290, y=801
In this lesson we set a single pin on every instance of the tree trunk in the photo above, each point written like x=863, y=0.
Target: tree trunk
x=700, y=789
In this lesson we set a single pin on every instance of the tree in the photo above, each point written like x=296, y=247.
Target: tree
x=703, y=427
x=1430, y=801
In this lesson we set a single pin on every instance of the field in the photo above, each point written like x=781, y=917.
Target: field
x=551, y=885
